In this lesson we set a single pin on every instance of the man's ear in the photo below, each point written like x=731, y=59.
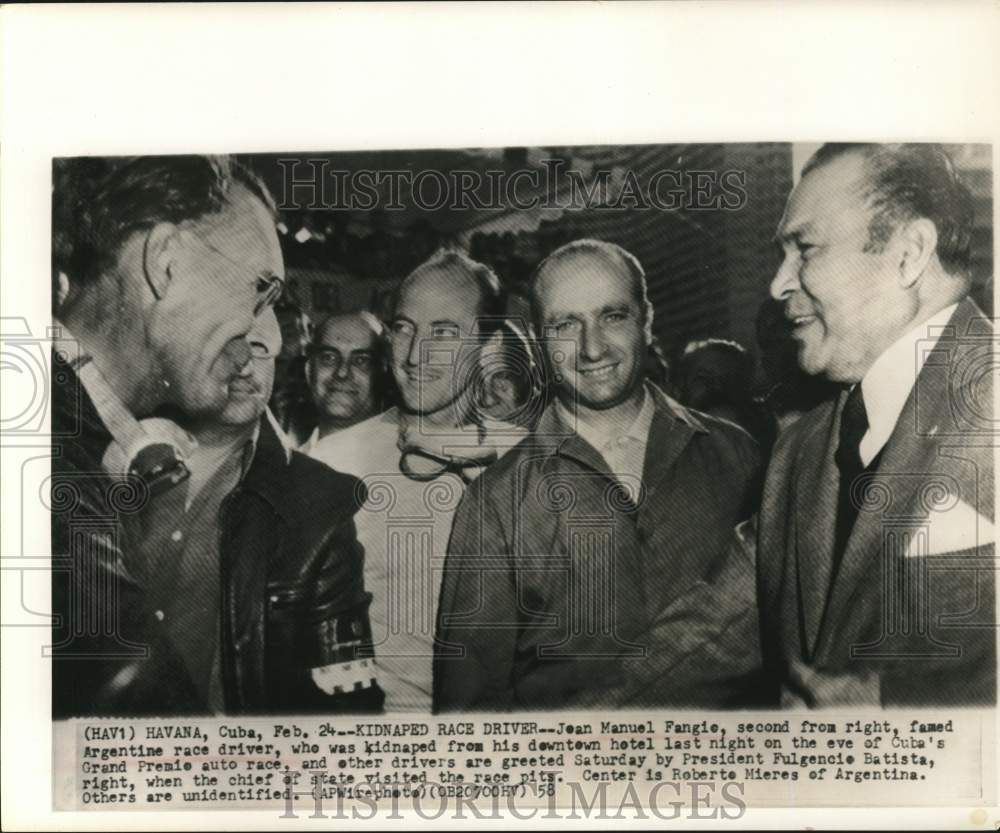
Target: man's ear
x=159, y=254
x=918, y=243
x=62, y=288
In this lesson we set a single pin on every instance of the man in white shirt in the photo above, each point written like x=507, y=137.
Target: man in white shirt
x=876, y=529
x=344, y=371
x=415, y=460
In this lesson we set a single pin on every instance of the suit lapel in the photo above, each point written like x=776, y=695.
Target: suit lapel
x=909, y=461
x=815, y=496
x=889, y=492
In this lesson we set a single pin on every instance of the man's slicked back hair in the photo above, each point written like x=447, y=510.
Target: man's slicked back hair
x=905, y=182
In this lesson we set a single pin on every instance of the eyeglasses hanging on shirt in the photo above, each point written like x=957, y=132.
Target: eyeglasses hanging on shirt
x=423, y=466
x=425, y=454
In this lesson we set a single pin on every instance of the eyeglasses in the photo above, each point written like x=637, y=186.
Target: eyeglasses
x=269, y=287
x=422, y=466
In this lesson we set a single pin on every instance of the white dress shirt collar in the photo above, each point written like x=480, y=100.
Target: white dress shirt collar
x=888, y=382
x=308, y=446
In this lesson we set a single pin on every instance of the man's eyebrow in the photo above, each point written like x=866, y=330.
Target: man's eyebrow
x=445, y=322
x=793, y=235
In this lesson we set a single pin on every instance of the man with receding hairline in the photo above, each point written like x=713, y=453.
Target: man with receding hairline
x=577, y=568
x=345, y=373
x=875, y=544
x=416, y=459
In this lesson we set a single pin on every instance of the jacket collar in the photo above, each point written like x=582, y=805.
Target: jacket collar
x=74, y=418
x=672, y=427
x=267, y=474
x=932, y=417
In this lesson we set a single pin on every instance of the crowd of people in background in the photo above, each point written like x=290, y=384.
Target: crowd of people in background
x=716, y=375
x=509, y=501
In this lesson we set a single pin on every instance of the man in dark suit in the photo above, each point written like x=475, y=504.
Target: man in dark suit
x=875, y=537
x=579, y=565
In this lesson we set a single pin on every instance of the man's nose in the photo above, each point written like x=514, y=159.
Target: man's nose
x=238, y=352
x=343, y=369
x=267, y=331
x=591, y=342
x=412, y=348
x=785, y=280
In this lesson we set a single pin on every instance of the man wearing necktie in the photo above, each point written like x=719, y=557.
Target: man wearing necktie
x=416, y=459
x=875, y=536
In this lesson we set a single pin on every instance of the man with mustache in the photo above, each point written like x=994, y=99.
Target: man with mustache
x=345, y=373
x=416, y=459
x=166, y=264
x=875, y=544
x=578, y=571
x=253, y=525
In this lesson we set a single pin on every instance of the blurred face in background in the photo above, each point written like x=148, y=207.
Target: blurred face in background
x=291, y=333
x=501, y=397
x=433, y=339
x=342, y=369
x=710, y=376
x=507, y=373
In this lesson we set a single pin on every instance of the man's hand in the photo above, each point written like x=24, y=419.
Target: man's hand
x=808, y=688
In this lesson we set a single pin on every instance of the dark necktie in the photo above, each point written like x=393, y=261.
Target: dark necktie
x=853, y=426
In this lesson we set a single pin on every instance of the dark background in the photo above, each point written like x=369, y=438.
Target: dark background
x=708, y=270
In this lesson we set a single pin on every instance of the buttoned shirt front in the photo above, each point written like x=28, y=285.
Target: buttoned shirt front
x=623, y=451
x=181, y=560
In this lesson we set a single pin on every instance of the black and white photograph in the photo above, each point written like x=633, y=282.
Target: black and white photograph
x=525, y=428
x=626, y=471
